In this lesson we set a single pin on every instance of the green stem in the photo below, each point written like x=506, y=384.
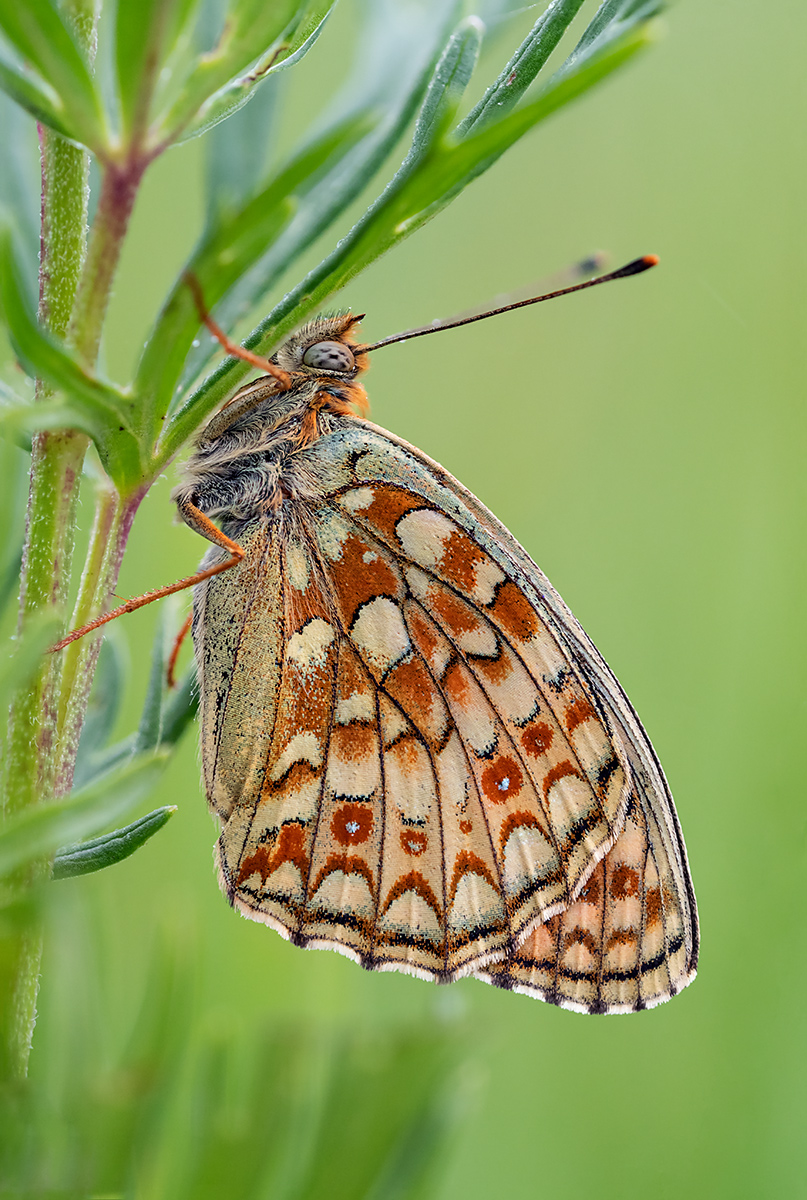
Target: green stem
x=111, y=528
x=119, y=186
x=56, y=463
x=75, y=285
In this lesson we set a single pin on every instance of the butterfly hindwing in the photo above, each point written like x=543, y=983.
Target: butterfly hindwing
x=620, y=946
x=420, y=768
x=384, y=457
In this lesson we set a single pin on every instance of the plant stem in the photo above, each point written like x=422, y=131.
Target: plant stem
x=75, y=284
x=119, y=186
x=56, y=463
x=111, y=528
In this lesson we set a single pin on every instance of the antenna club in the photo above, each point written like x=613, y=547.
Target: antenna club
x=632, y=268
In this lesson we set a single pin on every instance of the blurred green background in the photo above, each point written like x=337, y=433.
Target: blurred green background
x=646, y=443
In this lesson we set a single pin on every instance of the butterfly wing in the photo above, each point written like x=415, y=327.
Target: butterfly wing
x=437, y=769
x=622, y=944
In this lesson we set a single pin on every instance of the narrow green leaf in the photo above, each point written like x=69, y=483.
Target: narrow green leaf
x=145, y=34
x=15, y=672
x=82, y=858
x=42, y=355
x=237, y=152
x=253, y=32
x=100, y=410
x=36, y=832
x=395, y=58
x=15, y=466
x=108, y=690
x=20, y=182
x=150, y=725
x=613, y=21
x=447, y=87
x=503, y=95
x=225, y=252
x=40, y=101
x=297, y=39
x=180, y=708
x=456, y=163
x=41, y=35
x=10, y=576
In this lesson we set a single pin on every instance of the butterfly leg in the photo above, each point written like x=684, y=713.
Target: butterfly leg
x=170, y=671
x=230, y=346
x=196, y=519
x=324, y=401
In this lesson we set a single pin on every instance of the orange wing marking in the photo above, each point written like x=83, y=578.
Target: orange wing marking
x=501, y=779
x=461, y=618
x=413, y=882
x=342, y=891
x=499, y=776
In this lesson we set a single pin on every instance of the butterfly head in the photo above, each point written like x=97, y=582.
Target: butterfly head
x=325, y=346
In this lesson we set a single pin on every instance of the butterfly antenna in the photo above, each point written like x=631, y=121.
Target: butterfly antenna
x=584, y=268
x=231, y=347
x=632, y=268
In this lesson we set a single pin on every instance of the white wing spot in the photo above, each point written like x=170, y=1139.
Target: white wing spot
x=310, y=646
x=359, y=706
x=422, y=534
x=380, y=634
x=303, y=747
x=332, y=533
x=358, y=499
x=296, y=566
x=369, y=556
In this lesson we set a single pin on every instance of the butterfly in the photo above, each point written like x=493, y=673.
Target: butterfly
x=417, y=756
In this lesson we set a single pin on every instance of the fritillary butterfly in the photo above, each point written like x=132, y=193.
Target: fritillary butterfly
x=417, y=756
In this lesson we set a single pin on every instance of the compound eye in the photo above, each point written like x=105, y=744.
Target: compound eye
x=329, y=356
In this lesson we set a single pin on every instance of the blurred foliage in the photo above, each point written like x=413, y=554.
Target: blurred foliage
x=180, y=1109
